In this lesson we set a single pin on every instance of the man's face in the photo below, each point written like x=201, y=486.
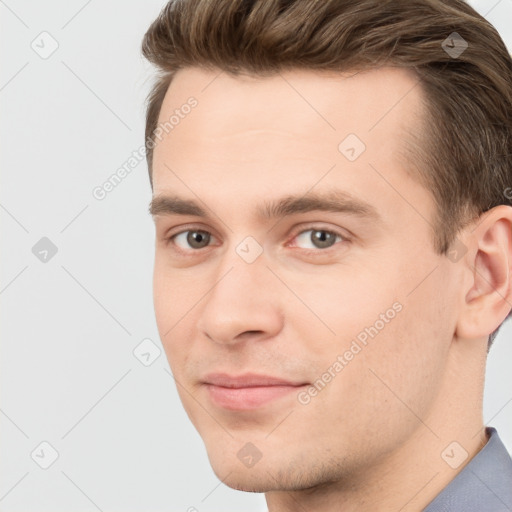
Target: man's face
x=353, y=307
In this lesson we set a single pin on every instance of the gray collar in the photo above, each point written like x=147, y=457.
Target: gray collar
x=483, y=485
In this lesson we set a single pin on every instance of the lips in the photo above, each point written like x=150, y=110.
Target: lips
x=248, y=391
x=248, y=380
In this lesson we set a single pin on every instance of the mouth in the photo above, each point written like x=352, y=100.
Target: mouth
x=249, y=391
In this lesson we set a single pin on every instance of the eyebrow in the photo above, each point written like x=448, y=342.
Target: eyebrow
x=335, y=201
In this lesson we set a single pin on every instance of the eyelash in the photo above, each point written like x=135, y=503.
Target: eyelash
x=344, y=238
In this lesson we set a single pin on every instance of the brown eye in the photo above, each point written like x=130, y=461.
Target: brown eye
x=322, y=239
x=195, y=239
x=317, y=239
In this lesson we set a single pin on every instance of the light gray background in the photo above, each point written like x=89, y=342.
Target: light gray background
x=68, y=375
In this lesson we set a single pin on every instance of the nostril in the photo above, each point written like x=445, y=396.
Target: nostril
x=249, y=334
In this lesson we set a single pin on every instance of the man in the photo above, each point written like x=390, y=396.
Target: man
x=331, y=194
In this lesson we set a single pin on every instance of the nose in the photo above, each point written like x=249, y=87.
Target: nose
x=243, y=304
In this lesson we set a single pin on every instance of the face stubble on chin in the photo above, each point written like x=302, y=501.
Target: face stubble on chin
x=293, y=312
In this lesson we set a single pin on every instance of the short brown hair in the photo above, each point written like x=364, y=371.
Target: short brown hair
x=464, y=152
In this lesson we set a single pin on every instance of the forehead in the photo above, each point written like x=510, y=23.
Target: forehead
x=305, y=104
x=331, y=101
x=284, y=131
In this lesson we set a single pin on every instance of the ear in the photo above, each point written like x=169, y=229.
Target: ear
x=487, y=299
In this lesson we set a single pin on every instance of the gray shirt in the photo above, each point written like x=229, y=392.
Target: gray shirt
x=483, y=485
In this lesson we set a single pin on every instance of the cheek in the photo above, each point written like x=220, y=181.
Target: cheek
x=162, y=303
x=175, y=292
x=161, y=283
x=403, y=366
x=392, y=343
x=349, y=304
x=375, y=392
x=172, y=303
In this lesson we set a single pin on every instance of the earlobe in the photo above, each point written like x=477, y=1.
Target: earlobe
x=488, y=300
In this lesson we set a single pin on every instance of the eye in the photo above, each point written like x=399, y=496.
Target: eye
x=313, y=239
x=193, y=238
x=318, y=239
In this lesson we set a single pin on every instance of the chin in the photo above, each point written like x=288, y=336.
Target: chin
x=248, y=481
x=241, y=478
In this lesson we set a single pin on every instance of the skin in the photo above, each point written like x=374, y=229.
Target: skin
x=372, y=438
